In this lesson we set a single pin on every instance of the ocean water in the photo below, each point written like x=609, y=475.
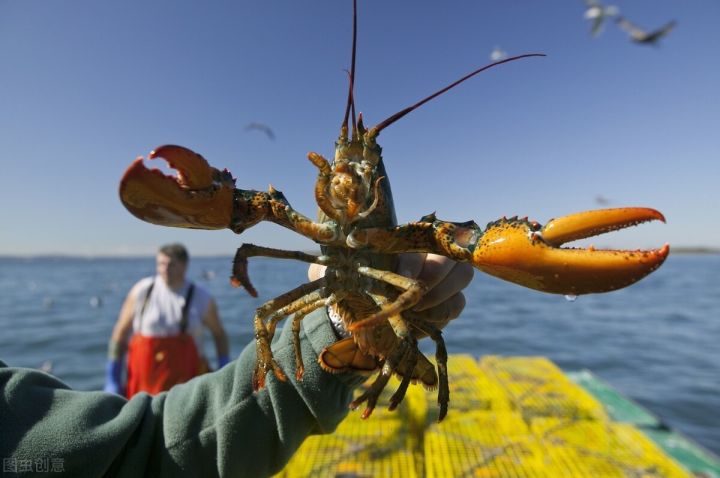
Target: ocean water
x=656, y=341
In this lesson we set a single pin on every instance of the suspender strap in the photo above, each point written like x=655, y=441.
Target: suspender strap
x=185, y=310
x=145, y=302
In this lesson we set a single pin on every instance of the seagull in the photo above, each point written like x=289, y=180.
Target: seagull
x=47, y=366
x=640, y=36
x=498, y=54
x=598, y=13
x=602, y=200
x=261, y=127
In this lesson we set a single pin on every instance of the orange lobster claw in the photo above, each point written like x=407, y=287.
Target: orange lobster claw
x=530, y=255
x=199, y=197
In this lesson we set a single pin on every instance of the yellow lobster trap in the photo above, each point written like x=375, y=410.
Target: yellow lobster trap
x=509, y=417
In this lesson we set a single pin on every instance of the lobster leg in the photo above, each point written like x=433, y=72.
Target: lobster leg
x=372, y=394
x=524, y=252
x=297, y=319
x=409, y=358
x=311, y=301
x=441, y=357
x=423, y=327
x=413, y=291
x=265, y=360
x=405, y=355
x=405, y=352
x=240, y=275
x=301, y=307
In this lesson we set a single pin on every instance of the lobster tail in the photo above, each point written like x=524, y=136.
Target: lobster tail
x=344, y=356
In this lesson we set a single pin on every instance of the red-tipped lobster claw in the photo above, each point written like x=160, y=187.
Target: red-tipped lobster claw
x=200, y=196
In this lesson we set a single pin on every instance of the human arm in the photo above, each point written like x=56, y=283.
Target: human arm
x=118, y=344
x=213, y=425
x=211, y=320
x=123, y=326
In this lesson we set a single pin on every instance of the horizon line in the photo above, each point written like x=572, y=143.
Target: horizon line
x=64, y=255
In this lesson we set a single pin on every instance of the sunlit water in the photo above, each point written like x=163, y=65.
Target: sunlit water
x=655, y=341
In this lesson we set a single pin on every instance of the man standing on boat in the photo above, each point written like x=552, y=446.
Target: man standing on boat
x=167, y=315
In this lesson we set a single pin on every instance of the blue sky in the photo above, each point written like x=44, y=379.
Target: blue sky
x=86, y=86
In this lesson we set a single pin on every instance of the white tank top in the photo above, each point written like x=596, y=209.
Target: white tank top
x=163, y=313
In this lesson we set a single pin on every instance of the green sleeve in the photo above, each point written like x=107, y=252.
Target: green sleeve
x=213, y=425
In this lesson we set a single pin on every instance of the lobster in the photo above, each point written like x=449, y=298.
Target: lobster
x=360, y=239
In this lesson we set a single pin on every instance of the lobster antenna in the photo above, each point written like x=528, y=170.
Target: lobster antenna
x=350, y=100
x=380, y=126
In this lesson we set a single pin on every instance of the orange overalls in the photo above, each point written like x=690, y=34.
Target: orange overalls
x=155, y=364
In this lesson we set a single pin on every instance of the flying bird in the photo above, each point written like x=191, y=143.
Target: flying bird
x=498, y=54
x=47, y=366
x=638, y=35
x=602, y=200
x=263, y=128
x=96, y=301
x=598, y=12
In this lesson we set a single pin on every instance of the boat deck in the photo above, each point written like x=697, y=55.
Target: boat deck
x=508, y=417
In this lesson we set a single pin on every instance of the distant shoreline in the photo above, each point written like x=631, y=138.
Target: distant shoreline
x=693, y=250
x=120, y=256
x=673, y=250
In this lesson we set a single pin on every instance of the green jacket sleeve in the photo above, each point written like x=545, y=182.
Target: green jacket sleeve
x=213, y=425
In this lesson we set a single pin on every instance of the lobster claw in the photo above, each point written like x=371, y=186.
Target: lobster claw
x=525, y=253
x=199, y=197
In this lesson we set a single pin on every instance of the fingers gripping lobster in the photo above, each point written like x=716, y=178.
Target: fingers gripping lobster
x=360, y=239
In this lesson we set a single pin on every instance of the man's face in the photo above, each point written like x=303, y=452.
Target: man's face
x=171, y=270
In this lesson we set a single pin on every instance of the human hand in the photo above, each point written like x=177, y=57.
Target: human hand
x=113, y=379
x=444, y=278
x=222, y=361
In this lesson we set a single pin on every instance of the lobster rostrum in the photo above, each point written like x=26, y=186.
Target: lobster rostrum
x=360, y=240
